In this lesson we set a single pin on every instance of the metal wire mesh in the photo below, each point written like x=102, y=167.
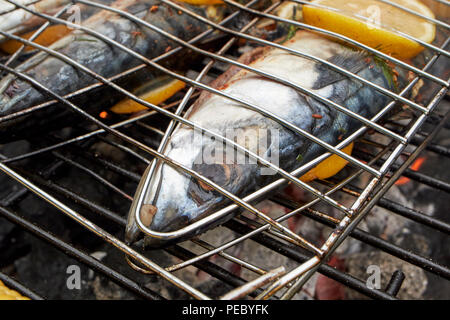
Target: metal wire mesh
x=269, y=232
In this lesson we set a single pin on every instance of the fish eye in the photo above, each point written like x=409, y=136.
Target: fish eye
x=200, y=191
x=218, y=173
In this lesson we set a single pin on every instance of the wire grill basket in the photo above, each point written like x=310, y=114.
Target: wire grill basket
x=381, y=169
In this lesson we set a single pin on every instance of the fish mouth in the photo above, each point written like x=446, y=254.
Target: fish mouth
x=173, y=218
x=166, y=221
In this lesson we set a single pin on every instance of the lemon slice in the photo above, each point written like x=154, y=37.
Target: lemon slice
x=47, y=37
x=328, y=167
x=8, y=294
x=155, y=92
x=373, y=23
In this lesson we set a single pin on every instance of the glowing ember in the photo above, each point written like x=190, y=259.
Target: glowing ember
x=414, y=167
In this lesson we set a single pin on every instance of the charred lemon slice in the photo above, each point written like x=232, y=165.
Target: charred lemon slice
x=327, y=168
x=8, y=294
x=155, y=92
x=47, y=37
x=374, y=23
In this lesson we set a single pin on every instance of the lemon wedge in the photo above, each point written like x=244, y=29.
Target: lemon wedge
x=155, y=92
x=47, y=37
x=8, y=294
x=328, y=167
x=374, y=23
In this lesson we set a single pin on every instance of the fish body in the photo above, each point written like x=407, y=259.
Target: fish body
x=174, y=199
x=97, y=55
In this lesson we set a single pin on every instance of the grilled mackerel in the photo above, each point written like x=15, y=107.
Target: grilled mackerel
x=174, y=199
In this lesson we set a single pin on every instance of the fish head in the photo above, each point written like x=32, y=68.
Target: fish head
x=176, y=199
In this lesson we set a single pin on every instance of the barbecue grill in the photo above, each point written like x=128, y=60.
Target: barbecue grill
x=139, y=139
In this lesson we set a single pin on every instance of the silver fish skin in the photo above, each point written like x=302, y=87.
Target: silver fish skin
x=180, y=200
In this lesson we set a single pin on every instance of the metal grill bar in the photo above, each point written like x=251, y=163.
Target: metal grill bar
x=438, y=22
x=251, y=285
x=417, y=176
x=293, y=253
x=117, y=219
x=206, y=181
x=34, y=36
x=379, y=243
x=79, y=255
x=211, y=268
x=182, y=120
x=123, y=74
x=311, y=57
x=423, y=43
x=395, y=283
x=341, y=37
x=197, y=84
x=100, y=232
x=219, y=57
x=442, y=1
x=432, y=147
x=400, y=209
x=173, y=163
x=352, y=224
x=10, y=282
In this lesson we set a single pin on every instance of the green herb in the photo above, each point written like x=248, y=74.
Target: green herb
x=299, y=158
x=292, y=28
x=291, y=33
x=387, y=71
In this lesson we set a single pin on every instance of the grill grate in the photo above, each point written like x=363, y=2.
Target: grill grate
x=382, y=168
